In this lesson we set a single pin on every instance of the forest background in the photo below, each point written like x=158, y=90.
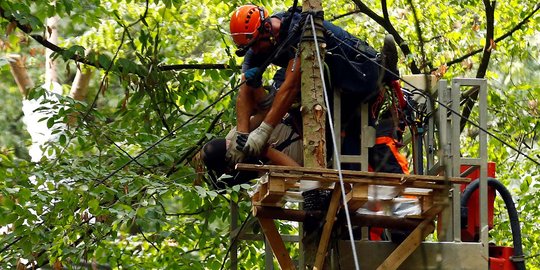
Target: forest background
x=116, y=187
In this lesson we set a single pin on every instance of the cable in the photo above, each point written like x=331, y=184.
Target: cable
x=170, y=133
x=334, y=143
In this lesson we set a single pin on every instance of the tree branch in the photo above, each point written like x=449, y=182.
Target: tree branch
x=27, y=29
x=384, y=7
x=503, y=37
x=344, y=15
x=482, y=69
x=147, y=240
x=419, y=34
x=387, y=25
x=196, y=66
x=196, y=146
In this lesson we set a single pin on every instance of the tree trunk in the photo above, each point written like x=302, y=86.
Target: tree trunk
x=51, y=34
x=79, y=87
x=313, y=107
x=19, y=72
x=314, y=120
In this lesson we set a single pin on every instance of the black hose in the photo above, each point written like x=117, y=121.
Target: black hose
x=518, y=258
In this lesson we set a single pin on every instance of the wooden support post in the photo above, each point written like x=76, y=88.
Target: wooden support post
x=327, y=230
x=357, y=197
x=273, y=193
x=276, y=243
x=408, y=246
x=285, y=214
x=234, y=227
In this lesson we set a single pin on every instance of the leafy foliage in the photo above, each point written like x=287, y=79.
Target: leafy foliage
x=95, y=203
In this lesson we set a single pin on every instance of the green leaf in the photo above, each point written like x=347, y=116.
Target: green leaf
x=68, y=6
x=50, y=122
x=104, y=61
x=62, y=139
x=93, y=204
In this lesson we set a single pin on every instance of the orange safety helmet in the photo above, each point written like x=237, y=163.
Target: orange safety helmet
x=246, y=22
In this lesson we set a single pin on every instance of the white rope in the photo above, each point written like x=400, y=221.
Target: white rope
x=338, y=162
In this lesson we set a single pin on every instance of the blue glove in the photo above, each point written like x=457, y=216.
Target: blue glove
x=253, y=77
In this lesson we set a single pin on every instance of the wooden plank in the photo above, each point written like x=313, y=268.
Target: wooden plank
x=417, y=193
x=408, y=246
x=432, y=212
x=272, y=192
x=286, y=214
x=332, y=177
x=391, y=222
x=358, y=197
x=400, y=177
x=327, y=229
x=276, y=243
x=372, y=181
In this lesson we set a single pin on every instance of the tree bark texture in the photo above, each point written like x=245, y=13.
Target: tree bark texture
x=313, y=108
x=313, y=112
x=79, y=88
x=51, y=35
x=19, y=72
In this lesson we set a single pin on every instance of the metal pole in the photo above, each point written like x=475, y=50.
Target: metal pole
x=444, y=157
x=234, y=244
x=456, y=158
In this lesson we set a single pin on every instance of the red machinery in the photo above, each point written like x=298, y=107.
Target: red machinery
x=499, y=257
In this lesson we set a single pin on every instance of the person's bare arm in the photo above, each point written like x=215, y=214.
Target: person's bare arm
x=279, y=158
x=245, y=107
x=258, y=138
x=286, y=94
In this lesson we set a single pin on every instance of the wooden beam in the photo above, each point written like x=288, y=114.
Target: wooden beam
x=276, y=243
x=357, y=197
x=274, y=191
x=408, y=246
x=285, y=214
x=327, y=229
x=349, y=173
x=328, y=179
x=390, y=222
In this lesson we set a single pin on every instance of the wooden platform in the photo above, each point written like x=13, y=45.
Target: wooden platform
x=283, y=182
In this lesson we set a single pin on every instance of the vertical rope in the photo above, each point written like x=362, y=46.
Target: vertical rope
x=338, y=162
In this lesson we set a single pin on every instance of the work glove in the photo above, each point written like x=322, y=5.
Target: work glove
x=257, y=140
x=253, y=77
x=235, y=153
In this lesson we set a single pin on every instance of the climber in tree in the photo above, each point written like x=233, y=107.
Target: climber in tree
x=354, y=67
x=285, y=142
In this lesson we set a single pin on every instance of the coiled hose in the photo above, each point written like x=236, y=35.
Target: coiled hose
x=518, y=258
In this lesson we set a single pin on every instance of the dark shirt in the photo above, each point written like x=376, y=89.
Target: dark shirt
x=350, y=70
